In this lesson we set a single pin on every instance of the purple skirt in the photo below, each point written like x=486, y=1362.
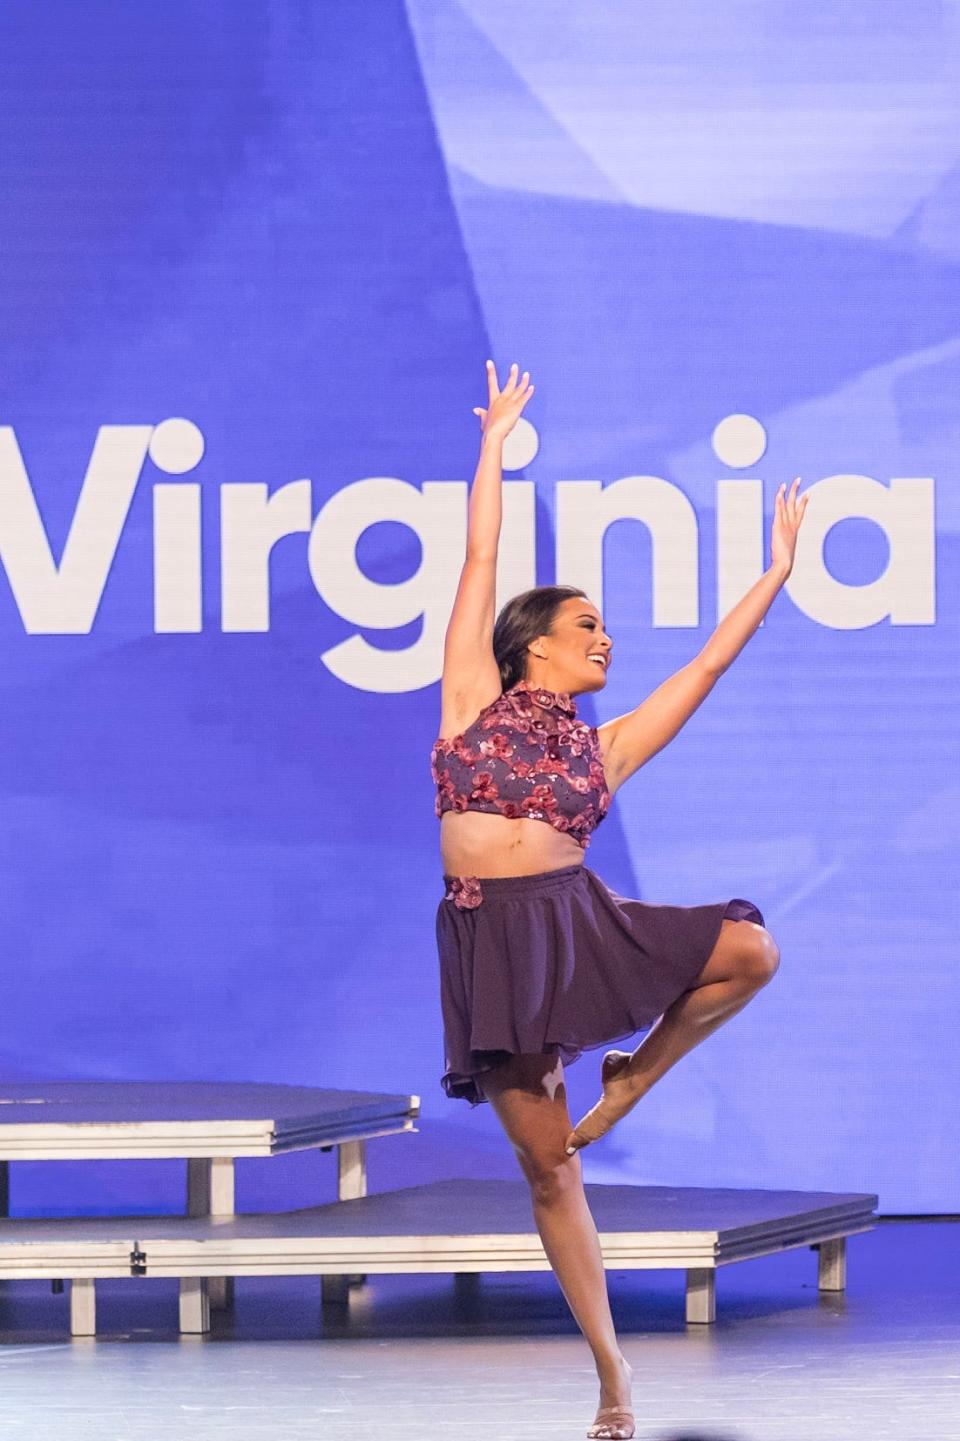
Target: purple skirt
x=557, y=963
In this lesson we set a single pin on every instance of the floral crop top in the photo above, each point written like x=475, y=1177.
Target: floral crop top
x=525, y=756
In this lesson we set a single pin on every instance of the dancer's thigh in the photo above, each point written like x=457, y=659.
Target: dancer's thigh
x=530, y=1098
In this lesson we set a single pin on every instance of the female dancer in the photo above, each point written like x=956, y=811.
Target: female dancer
x=539, y=960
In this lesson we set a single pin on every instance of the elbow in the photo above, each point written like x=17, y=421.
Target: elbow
x=711, y=667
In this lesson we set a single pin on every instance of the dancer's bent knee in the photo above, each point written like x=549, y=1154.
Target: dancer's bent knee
x=758, y=959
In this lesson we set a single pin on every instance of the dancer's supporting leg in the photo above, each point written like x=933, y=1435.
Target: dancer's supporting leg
x=528, y=1095
x=743, y=960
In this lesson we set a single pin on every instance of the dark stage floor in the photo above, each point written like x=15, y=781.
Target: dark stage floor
x=416, y=1357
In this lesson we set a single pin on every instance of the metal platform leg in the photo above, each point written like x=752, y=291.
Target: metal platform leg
x=194, y=1305
x=4, y=1193
x=83, y=1307
x=466, y=1289
x=832, y=1265
x=211, y=1191
x=335, y=1290
x=351, y=1170
x=352, y=1180
x=701, y=1296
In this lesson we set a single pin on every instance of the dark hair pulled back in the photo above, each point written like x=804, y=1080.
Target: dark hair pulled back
x=520, y=621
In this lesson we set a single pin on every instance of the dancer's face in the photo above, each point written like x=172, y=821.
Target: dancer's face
x=563, y=659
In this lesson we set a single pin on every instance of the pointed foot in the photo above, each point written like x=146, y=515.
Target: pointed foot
x=618, y=1098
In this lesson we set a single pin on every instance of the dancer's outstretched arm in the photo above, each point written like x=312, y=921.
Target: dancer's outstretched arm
x=471, y=677
x=631, y=739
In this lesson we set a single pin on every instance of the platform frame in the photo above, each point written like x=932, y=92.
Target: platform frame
x=210, y=1145
x=376, y=1235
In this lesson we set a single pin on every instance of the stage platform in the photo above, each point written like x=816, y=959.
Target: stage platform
x=206, y=1123
x=458, y=1226
x=140, y=1120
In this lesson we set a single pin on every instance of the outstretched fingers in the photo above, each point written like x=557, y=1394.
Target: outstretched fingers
x=515, y=384
x=787, y=505
x=518, y=389
x=504, y=406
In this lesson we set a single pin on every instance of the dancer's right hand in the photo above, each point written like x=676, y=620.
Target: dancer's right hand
x=503, y=406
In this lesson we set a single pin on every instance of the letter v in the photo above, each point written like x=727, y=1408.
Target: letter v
x=63, y=600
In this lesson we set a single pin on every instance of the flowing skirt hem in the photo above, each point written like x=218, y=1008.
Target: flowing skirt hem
x=467, y=1086
x=499, y=1003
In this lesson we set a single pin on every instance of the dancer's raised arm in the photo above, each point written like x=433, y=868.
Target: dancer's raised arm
x=471, y=677
x=630, y=740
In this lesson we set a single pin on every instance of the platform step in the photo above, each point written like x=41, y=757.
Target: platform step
x=451, y=1225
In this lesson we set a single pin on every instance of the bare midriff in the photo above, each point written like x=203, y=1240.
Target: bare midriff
x=477, y=843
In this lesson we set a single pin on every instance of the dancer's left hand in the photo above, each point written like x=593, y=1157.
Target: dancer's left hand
x=786, y=524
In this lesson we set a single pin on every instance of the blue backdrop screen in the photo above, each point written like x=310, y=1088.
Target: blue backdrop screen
x=254, y=260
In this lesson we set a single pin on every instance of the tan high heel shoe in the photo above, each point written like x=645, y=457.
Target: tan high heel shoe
x=615, y=1423
x=622, y=1428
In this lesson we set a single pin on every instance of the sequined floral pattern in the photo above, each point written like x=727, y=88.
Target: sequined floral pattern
x=526, y=755
x=465, y=892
